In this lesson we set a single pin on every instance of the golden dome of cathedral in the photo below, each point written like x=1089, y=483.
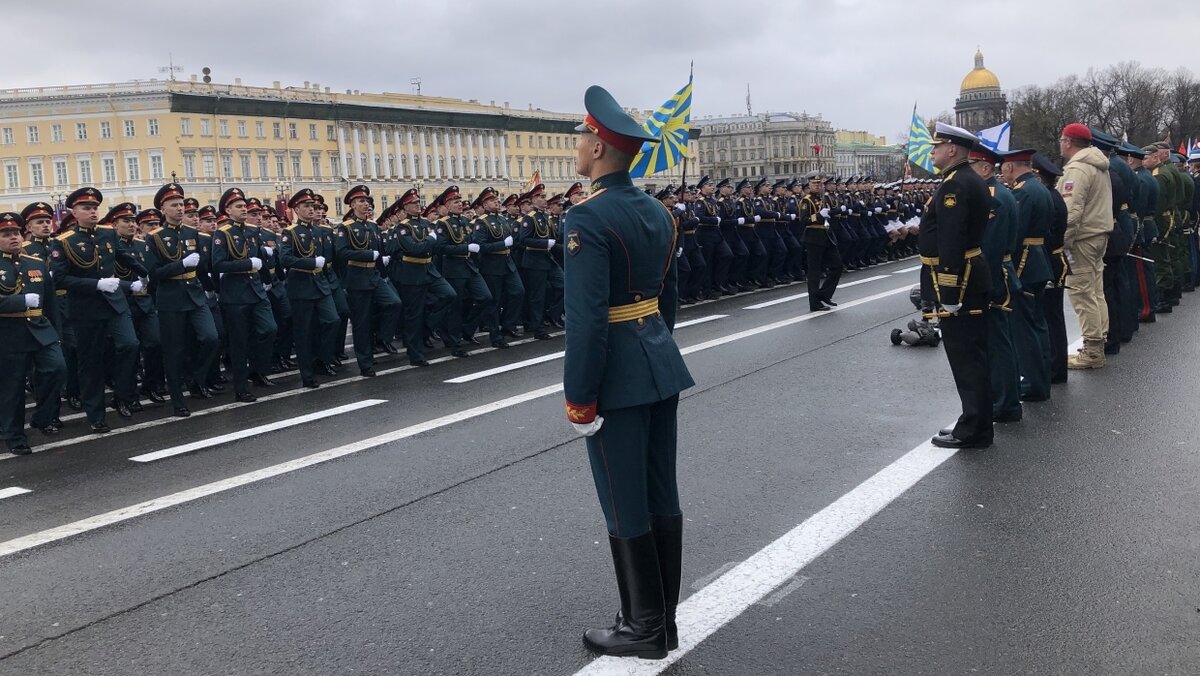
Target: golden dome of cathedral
x=980, y=77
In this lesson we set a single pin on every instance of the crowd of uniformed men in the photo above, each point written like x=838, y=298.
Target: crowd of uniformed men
x=153, y=302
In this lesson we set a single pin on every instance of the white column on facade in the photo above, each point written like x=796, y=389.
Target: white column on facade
x=398, y=168
x=491, y=142
x=358, y=169
x=446, y=134
x=424, y=163
x=412, y=156
x=341, y=139
x=439, y=162
x=471, y=153
x=383, y=153
x=503, y=171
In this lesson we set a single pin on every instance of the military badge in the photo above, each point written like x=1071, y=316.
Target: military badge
x=573, y=245
x=950, y=201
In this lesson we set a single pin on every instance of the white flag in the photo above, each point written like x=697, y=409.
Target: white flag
x=996, y=137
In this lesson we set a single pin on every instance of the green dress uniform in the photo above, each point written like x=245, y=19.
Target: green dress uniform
x=1164, y=217
x=27, y=341
x=622, y=364
x=79, y=259
x=145, y=319
x=537, y=267
x=314, y=317
x=473, y=304
x=336, y=349
x=1181, y=259
x=1001, y=239
x=494, y=236
x=244, y=305
x=956, y=279
x=824, y=261
x=189, y=335
x=411, y=246
x=358, y=248
x=1030, y=332
x=211, y=285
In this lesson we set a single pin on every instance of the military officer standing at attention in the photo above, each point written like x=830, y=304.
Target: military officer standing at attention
x=84, y=262
x=1056, y=323
x=237, y=260
x=173, y=256
x=27, y=339
x=623, y=373
x=956, y=280
x=314, y=318
x=824, y=260
x=372, y=301
x=1030, y=334
x=128, y=223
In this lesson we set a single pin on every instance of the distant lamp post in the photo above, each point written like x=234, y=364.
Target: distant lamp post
x=281, y=191
x=59, y=197
x=418, y=184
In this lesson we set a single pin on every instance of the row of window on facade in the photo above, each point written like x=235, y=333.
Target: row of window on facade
x=549, y=168
x=33, y=132
x=778, y=142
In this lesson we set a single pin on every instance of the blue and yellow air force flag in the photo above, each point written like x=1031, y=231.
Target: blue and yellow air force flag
x=670, y=123
x=920, y=144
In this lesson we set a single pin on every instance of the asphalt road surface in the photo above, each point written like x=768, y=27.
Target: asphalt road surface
x=443, y=520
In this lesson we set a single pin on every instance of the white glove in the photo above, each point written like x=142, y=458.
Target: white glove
x=266, y=287
x=33, y=300
x=376, y=255
x=137, y=286
x=508, y=241
x=952, y=307
x=550, y=243
x=679, y=252
x=473, y=247
x=879, y=210
x=320, y=260
x=210, y=294
x=191, y=260
x=590, y=428
x=386, y=260
x=757, y=218
x=270, y=251
x=825, y=213
x=843, y=207
x=741, y=221
x=432, y=235
x=108, y=284
x=255, y=263
x=680, y=208
x=791, y=217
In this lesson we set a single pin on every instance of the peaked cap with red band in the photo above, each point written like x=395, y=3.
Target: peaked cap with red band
x=614, y=126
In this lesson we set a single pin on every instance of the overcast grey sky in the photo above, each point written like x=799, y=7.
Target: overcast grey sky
x=859, y=63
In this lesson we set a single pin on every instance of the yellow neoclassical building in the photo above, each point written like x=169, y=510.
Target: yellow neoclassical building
x=129, y=138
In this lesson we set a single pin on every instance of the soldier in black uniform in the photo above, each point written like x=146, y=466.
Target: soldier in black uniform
x=824, y=260
x=27, y=339
x=955, y=279
x=238, y=260
x=459, y=243
x=690, y=289
x=184, y=317
x=715, y=251
x=731, y=219
x=495, y=239
x=141, y=304
x=84, y=262
x=1052, y=305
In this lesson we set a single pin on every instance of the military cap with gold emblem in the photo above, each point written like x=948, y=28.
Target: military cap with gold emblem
x=190, y=205
x=484, y=195
x=301, y=196
x=535, y=191
x=37, y=210
x=229, y=197
x=119, y=210
x=253, y=205
x=10, y=220
x=86, y=195
x=510, y=200
x=149, y=218
x=410, y=196
x=356, y=192
x=168, y=191
x=207, y=211
x=446, y=197
x=575, y=189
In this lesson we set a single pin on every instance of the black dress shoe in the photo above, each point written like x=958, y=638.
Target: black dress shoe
x=57, y=422
x=136, y=407
x=101, y=428
x=262, y=381
x=829, y=303
x=542, y=336
x=1164, y=309
x=511, y=333
x=50, y=430
x=459, y=352
x=215, y=387
x=341, y=356
x=428, y=343
x=152, y=395
x=951, y=441
x=310, y=384
x=199, y=392
x=390, y=347
x=121, y=408
x=821, y=308
x=418, y=362
x=367, y=373
x=74, y=403
x=20, y=450
x=219, y=380
x=181, y=412
x=500, y=344
x=1150, y=319
x=245, y=397
x=472, y=340
x=326, y=369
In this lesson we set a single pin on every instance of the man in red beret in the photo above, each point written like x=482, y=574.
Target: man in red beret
x=1087, y=191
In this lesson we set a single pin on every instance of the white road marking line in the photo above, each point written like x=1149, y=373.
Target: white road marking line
x=116, y=516
x=551, y=357
x=788, y=322
x=717, y=604
x=788, y=299
x=253, y=431
x=13, y=492
x=912, y=269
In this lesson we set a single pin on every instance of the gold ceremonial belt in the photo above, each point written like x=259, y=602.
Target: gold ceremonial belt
x=33, y=312
x=60, y=292
x=314, y=271
x=360, y=264
x=1033, y=241
x=1007, y=258
x=638, y=310
x=505, y=252
x=414, y=259
x=186, y=275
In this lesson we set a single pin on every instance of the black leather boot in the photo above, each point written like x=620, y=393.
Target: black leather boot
x=641, y=631
x=668, y=542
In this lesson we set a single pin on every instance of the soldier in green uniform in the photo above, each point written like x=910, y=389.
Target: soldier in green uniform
x=1031, y=336
x=141, y=303
x=497, y=268
x=1056, y=323
x=184, y=317
x=1001, y=238
x=459, y=243
x=314, y=318
x=358, y=249
x=623, y=373
x=84, y=262
x=237, y=260
x=27, y=339
x=39, y=224
x=215, y=381
x=537, y=240
x=956, y=280
x=411, y=241
x=1181, y=255
x=1164, y=218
